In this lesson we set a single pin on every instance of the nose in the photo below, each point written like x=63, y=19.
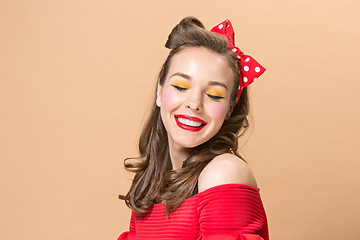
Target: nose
x=194, y=102
x=193, y=107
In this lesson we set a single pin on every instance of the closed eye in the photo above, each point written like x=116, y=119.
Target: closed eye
x=179, y=88
x=214, y=97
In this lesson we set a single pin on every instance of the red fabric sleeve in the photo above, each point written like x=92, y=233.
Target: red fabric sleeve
x=129, y=235
x=230, y=212
x=229, y=236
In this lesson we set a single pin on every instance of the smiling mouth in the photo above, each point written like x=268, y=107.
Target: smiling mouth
x=189, y=123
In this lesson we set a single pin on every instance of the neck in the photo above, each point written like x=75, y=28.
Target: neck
x=177, y=155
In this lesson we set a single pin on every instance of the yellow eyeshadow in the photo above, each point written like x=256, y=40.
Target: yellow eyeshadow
x=215, y=92
x=181, y=84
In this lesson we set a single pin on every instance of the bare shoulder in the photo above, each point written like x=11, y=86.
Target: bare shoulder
x=224, y=169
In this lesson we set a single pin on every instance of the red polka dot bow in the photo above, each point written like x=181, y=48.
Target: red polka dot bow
x=250, y=69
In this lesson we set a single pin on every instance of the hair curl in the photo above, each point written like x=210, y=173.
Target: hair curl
x=155, y=181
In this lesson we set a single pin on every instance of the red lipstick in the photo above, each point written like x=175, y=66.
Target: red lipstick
x=189, y=123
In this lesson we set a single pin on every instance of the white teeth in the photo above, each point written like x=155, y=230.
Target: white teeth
x=189, y=122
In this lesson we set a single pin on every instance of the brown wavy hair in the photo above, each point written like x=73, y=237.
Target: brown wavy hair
x=155, y=181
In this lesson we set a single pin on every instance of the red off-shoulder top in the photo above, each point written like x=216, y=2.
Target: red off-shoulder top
x=225, y=212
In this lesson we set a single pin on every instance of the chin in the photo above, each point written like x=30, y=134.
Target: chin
x=189, y=144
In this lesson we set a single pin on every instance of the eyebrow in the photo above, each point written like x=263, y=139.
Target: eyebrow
x=188, y=77
x=181, y=75
x=213, y=83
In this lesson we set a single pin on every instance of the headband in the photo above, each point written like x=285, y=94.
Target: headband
x=250, y=69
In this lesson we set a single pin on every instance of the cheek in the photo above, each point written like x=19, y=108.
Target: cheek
x=218, y=112
x=169, y=100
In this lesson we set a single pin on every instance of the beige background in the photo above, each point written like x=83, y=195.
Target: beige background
x=76, y=79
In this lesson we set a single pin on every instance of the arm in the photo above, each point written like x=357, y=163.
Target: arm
x=230, y=207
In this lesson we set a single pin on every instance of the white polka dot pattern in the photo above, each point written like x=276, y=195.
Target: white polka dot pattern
x=250, y=68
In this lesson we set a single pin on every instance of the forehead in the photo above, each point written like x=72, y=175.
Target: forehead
x=202, y=64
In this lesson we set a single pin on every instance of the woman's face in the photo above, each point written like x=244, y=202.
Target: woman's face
x=195, y=98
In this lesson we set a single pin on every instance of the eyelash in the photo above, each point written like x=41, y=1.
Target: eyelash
x=179, y=88
x=216, y=98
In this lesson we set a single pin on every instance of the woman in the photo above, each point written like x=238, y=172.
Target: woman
x=190, y=183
